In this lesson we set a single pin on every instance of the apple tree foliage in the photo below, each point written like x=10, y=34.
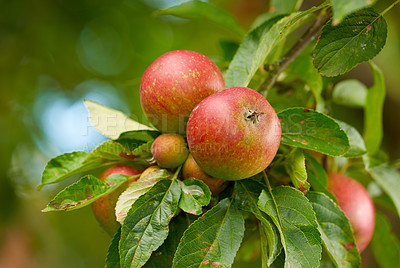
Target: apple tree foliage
x=166, y=222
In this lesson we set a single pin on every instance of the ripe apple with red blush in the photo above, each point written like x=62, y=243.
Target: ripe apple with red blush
x=104, y=207
x=174, y=84
x=356, y=204
x=233, y=134
x=169, y=150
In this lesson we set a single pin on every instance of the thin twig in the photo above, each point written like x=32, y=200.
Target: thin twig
x=308, y=37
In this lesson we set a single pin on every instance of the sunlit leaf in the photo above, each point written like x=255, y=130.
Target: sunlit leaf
x=296, y=168
x=195, y=195
x=84, y=192
x=137, y=189
x=111, y=122
x=312, y=130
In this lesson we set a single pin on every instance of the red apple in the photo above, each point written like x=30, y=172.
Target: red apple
x=192, y=170
x=169, y=150
x=104, y=207
x=356, y=204
x=233, y=134
x=174, y=84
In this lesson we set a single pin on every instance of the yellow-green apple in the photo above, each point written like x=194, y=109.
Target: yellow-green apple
x=104, y=207
x=169, y=150
x=192, y=170
x=174, y=84
x=356, y=204
x=233, y=134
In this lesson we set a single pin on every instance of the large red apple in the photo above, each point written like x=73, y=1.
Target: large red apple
x=233, y=134
x=174, y=84
x=356, y=204
x=104, y=207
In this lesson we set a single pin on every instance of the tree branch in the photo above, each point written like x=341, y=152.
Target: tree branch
x=307, y=37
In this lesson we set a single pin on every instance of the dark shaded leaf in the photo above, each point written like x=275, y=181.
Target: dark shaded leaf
x=112, y=259
x=335, y=230
x=293, y=214
x=358, y=38
x=373, y=116
x=203, y=10
x=385, y=244
x=213, y=239
x=342, y=8
x=247, y=194
x=146, y=225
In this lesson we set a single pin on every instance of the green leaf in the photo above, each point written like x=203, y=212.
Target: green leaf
x=312, y=130
x=317, y=176
x=373, y=128
x=388, y=179
x=111, y=122
x=385, y=244
x=350, y=93
x=112, y=259
x=296, y=168
x=285, y=6
x=247, y=194
x=259, y=43
x=202, y=10
x=317, y=169
x=163, y=256
x=359, y=38
x=146, y=226
x=64, y=166
x=137, y=189
x=195, y=195
x=357, y=146
x=85, y=191
x=138, y=135
x=335, y=230
x=213, y=239
x=136, y=152
x=293, y=214
x=342, y=8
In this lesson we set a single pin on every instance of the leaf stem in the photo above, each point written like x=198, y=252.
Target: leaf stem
x=281, y=157
x=177, y=172
x=389, y=7
x=267, y=181
x=307, y=37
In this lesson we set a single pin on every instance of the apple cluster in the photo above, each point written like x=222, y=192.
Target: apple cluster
x=217, y=134
x=231, y=133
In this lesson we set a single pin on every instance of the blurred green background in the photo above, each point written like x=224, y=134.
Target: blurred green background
x=54, y=54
